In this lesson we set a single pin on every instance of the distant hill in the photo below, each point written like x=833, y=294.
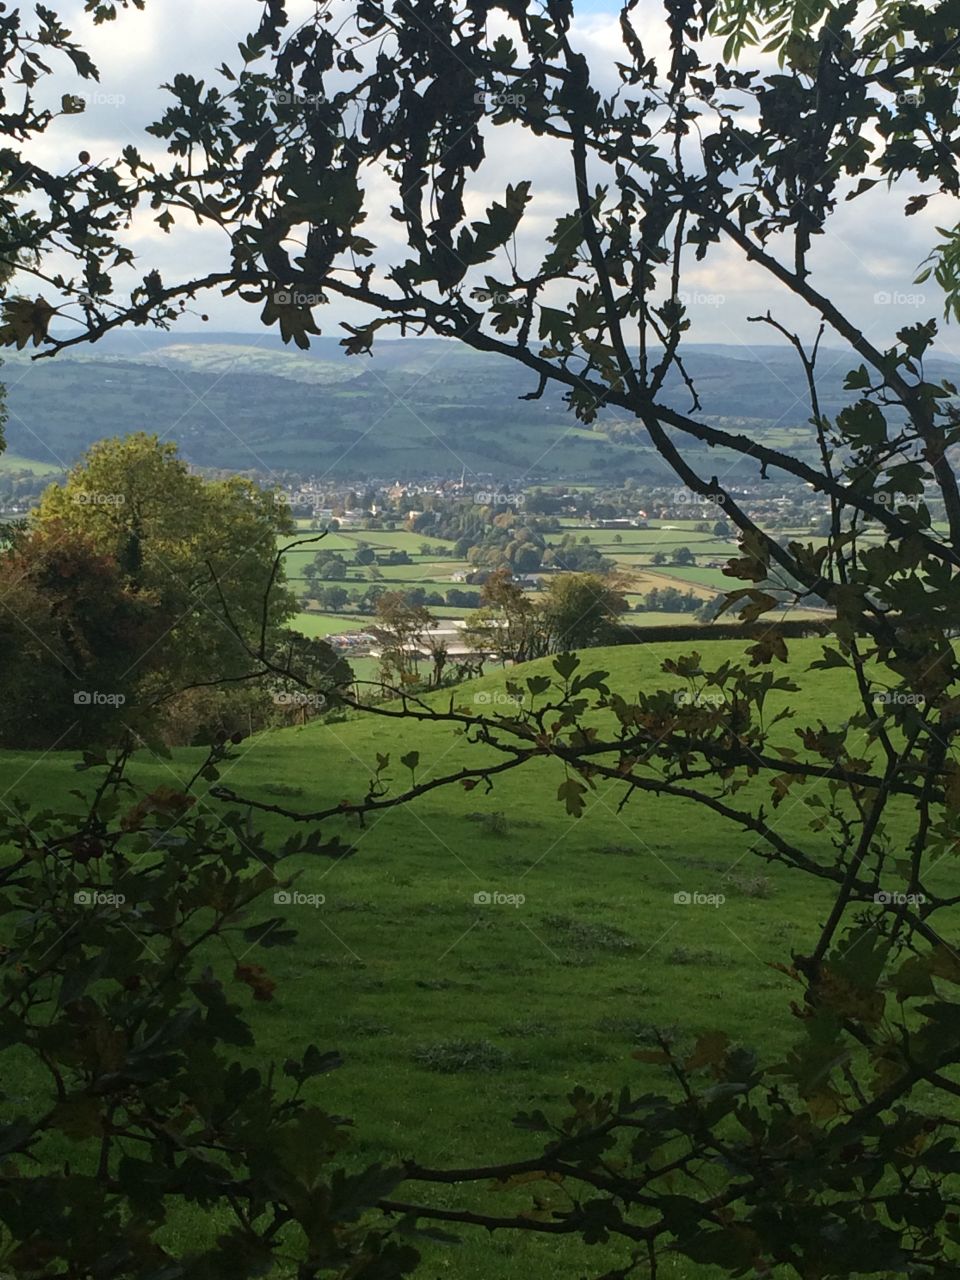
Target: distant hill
x=418, y=407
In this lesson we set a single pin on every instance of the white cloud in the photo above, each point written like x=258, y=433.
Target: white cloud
x=870, y=247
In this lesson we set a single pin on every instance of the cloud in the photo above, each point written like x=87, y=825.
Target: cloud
x=870, y=249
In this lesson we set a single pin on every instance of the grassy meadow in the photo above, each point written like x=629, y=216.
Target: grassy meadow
x=452, y=1014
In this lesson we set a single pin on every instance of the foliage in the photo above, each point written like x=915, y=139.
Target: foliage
x=839, y=1157
x=134, y=589
x=576, y=610
x=670, y=600
x=204, y=551
x=404, y=628
x=135, y=938
x=78, y=642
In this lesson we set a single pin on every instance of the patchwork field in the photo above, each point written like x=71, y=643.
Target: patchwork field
x=632, y=550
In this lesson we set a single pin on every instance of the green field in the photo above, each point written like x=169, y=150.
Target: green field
x=452, y=1016
x=326, y=624
x=632, y=555
x=17, y=462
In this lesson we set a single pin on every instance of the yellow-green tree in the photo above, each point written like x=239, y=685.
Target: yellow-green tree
x=203, y=551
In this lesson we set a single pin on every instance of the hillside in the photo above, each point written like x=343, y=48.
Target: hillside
x=418, y=407
x=453, y=1014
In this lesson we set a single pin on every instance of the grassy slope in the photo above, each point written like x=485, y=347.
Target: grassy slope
x=400, y=962
x=17, y=462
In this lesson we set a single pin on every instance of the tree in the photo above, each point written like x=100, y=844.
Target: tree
x=334, y=569
x=526, y=558
x=683, y=555
x=402, y=626
x=581, y=609
x=838, y=1156
x=463, y=599
x=79, y=644
x=658, y=558
x=333, y=598
x=203, y=551
x=507, y=624
x=670, y=600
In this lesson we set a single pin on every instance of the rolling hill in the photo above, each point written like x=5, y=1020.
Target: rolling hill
x=418, y=407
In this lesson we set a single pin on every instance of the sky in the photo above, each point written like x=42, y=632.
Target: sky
x=867, y=262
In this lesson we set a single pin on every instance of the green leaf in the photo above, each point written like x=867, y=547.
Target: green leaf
x=572, y=791
x=565, y=664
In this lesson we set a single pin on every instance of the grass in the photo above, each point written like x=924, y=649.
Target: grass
x=453, y=1013
x=17, y=462
x=326, y=624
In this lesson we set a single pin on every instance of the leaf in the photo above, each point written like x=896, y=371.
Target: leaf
x=25, y=320
x=571, y=791
x=410, y=760
x=352, y=1193
x=295, y=322
x=257, y=979
x=534, y=1121
x=945, y=964
x=78, y=1118
x=565, y=664
x=82, y=61
x=709, y=1051
x=315, y=1063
